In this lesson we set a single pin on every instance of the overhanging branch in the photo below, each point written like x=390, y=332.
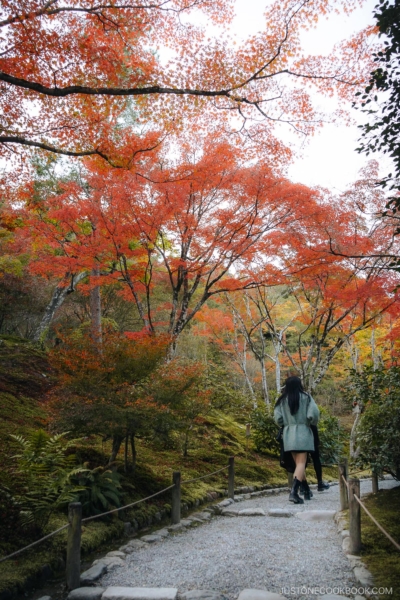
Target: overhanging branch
x=94, y=152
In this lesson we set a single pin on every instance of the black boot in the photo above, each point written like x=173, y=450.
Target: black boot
x=322, y=486
x=294, y=492
x=305, y=490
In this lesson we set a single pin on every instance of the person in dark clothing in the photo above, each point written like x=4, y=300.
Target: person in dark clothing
x=322, y=486
x=295, y=411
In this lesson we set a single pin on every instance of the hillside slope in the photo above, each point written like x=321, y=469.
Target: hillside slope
x=25, y=379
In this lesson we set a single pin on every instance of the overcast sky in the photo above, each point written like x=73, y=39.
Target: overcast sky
x=329, y=158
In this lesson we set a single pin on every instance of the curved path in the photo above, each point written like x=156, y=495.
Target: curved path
x=229, y=554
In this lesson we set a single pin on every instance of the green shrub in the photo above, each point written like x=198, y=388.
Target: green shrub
x=331, y=436
x=265, y=430
x=378, y=433
x=44, y=472
x=378, y=438
x=100, y=490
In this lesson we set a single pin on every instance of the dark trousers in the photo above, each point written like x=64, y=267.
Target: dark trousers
x=315, y=455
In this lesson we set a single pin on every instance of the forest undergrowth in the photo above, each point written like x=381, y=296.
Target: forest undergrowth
x=25, y=379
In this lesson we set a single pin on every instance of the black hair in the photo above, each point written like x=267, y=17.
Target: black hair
x=293, y=388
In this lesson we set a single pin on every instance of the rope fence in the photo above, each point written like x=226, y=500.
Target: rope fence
x=74, y=525
x=389, y=537
x=204, y=476
x=46, y=537
x=349, y=490
x=109, y=512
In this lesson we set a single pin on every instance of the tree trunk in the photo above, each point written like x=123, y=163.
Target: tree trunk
x=126, y=453
x=251, y=390
x=171, y=350
x=116, y=445
x=243, y=364
x=278, y=374
x=264, y=383
x=186, y=443
x=353, y=351
x=376, y=356
x=261, y=358
x=59, y=295
x=95, y=311
x=277, y=342
x=133, y=450
x=353, y=450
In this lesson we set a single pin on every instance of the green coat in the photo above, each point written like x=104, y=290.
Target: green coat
x=297, y=433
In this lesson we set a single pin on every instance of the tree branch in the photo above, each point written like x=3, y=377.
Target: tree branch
x=48, y=11
x=106, y=91
x=5, y=139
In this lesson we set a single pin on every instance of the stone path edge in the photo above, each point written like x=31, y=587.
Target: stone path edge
x=361, y=572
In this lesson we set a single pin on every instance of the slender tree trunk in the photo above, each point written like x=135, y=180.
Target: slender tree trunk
x=126, y=452
x=95, y=310
x=250, y=388
x=133, y=450
x=277, y=344
x=264, y=382
x=243, y=364
x=171, y=351
x=59, y=295
x=353, y=449
x=186, y=443
x=116, y=445
x=278, y=374
x=376, y=357
x=353, y=351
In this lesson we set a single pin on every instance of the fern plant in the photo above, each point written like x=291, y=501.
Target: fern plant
x=100, y=490
x=46, y=473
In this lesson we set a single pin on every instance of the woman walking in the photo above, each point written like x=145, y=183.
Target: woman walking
x=296, y=411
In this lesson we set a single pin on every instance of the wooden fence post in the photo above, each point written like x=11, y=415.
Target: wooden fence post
x=289, y=480
x=375, y=483
x=73, y=569
x=231, y=477
x=176, y=498
x=344, y=497
x=354, y=516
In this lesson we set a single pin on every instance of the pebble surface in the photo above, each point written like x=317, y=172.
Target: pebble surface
x=229, y=554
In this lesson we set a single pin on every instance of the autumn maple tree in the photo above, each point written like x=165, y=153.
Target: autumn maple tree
x=185, y=228
x=308, y=303
x=83, y=77
x=99, y=393
x=263, y=318
x=336, y=295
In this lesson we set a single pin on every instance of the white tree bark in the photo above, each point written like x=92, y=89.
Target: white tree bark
x=353, y=450
x=67, y=286
x=95, y=311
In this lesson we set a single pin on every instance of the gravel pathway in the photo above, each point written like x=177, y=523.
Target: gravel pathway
x=229, y=554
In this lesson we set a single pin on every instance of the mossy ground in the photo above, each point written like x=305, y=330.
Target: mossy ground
x=25, y=377
x=28, y=570
x=379, y=554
